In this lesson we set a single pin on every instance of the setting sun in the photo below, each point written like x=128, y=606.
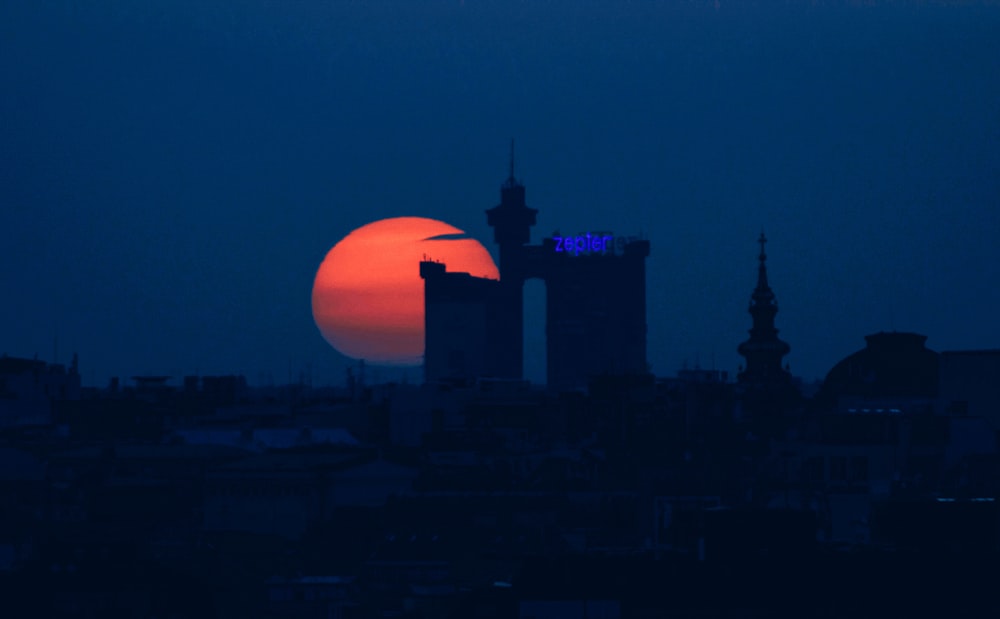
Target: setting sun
x=368, y=297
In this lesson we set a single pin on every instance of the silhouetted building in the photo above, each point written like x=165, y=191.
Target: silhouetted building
x=895, y=372
x=595, y=304
x=767, y=392
x=463, y=317
x=29, y=388
x=970, y=384
x=763, y=351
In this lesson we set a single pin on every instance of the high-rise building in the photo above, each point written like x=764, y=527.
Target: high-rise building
x=595, y=304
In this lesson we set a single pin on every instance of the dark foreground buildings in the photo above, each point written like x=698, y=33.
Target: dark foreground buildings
x=595, y=299
x=871, y=494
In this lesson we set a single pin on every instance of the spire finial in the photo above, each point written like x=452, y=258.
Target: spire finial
x=762, y=286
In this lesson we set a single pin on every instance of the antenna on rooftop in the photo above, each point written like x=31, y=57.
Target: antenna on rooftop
x=512, y=159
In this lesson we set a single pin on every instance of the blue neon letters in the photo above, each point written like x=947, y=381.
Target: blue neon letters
x=586, y=243
x=589, y=243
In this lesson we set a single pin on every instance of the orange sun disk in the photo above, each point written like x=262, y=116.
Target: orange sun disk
x=368, y=297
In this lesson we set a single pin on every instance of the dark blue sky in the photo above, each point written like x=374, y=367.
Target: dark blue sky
x=172, y=173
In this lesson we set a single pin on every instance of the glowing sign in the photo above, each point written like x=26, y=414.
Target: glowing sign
x=591, y=243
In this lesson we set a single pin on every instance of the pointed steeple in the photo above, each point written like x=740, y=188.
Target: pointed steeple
x=762, y=294
x=762, y=269
x=763, y=351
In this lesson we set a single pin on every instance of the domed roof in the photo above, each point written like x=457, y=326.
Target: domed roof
x=893, y=365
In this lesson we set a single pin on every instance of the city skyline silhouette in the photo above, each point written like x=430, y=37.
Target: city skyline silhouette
x=175, y=174
x=750, y=250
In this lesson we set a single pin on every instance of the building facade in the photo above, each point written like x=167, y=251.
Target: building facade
x=595, y=304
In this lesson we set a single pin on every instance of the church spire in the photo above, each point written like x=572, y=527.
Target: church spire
x=763, y=351
x=762, y=294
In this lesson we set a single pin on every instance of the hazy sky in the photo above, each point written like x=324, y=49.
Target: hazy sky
x=172, y=173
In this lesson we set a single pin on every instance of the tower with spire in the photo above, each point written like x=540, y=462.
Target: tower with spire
x=763, y=351
x=595, y=316
x=511, y=221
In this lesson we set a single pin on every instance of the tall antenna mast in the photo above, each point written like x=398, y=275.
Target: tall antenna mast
x=512, y=159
